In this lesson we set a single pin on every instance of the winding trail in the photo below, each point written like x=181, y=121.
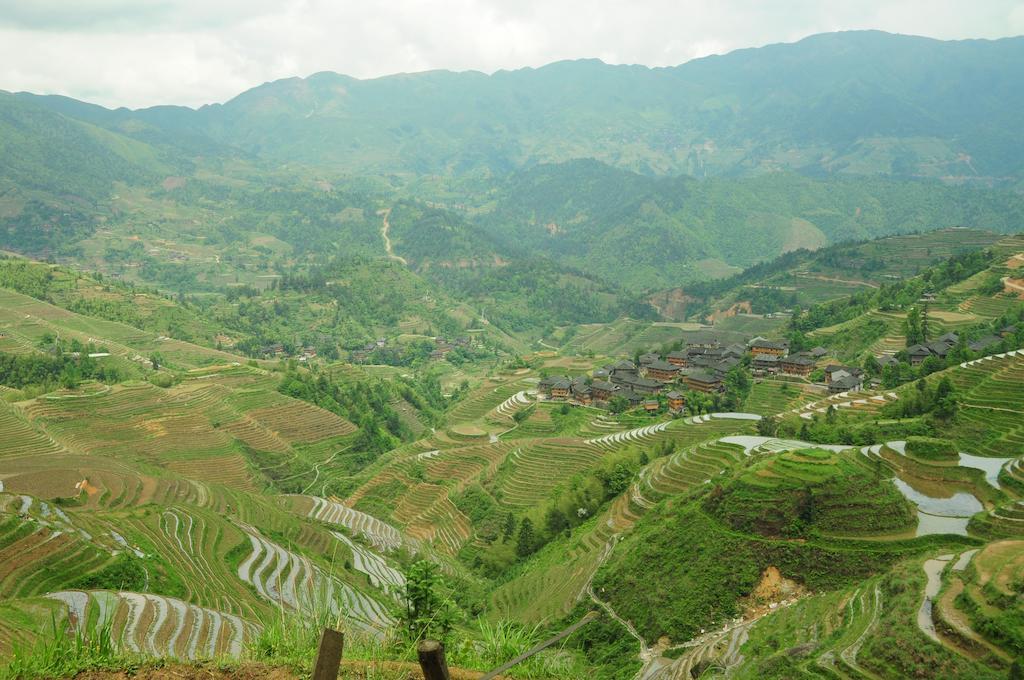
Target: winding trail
x=384, y=227
x=647, y=654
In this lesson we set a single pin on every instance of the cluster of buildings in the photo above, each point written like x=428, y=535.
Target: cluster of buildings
x=941, y=346
x=700, y=366
x=444, y=347
x=277, y=350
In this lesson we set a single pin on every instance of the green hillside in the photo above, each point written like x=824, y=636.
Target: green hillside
x=860, y=102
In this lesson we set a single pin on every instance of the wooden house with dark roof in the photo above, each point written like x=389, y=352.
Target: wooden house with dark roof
x=676, y=401
x=561, y=389
x=648, y=359
x=797, y=365
x=662, y=371
x=677, y=358
x=601, y=390
x=700, y=381
x=917, y=354
x=769, y=347
x=638, y=384
x=765, y=364
x=848, y=383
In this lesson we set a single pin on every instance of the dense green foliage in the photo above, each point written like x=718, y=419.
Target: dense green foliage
x=125, y=573
x=930, y=448
x=680, y=570
x=801, y=493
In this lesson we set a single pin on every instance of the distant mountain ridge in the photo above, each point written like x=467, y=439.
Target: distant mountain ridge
x=863, y=102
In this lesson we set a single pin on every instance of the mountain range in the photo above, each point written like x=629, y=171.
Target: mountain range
x=861, y=102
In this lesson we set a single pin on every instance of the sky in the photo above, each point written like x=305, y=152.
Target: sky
x=139, y=53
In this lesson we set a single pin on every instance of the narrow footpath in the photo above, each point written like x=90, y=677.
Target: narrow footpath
x=384, y=227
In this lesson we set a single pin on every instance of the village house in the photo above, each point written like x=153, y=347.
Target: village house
x=769, y=347
x=917, y=354
x=648, y=359
x=847, y=383
x=651, y=405
x=662, y=371
x=1007, y=331
x=734, y=351
x=624, y=368
x=637, y=383
x=561, y=389
x=677, y=358
x=601, y=390
x=800, y=366
x=548, y=382
x=725, y=365
x=981, y=344
x=765, y=364
x=887, y=360
x=703, y=382
x=834, y=372
x=676, y=401
x=582, y=393
x=703, y=342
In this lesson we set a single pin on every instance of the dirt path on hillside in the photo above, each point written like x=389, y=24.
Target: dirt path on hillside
x=384, y=228
x=1014, y=285
x=647, y=655
x=819, y=277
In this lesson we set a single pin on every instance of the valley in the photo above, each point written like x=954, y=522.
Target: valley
x=692, y=354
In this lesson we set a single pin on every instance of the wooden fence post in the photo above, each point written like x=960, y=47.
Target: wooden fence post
x=328, y=656
x=432, y=662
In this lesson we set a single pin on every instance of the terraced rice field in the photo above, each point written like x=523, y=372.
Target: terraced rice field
x=29, y=319
x=301, y=423
x=505, y=410
x=428, y=515
x=862, y=403
x=769, y=397
x=552, y=588
x=37, y=556
x=482, y=400
x=196, y=541
x=991, y=418
x=18, y=437
x=287, y=579
x=534, y=469
x=159, y=626
x=380, y=535
x=375, y=567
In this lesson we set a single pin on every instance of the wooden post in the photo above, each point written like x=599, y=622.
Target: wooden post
x=432, y=663
x=328, y=657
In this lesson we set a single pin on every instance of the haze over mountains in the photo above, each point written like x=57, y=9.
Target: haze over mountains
x=857, y=102
x=663, y=176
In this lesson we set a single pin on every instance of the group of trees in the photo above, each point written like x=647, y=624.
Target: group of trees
x=893, y=296
x=56, y=369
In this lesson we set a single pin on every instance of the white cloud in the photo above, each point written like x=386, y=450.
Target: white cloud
x=145, y=52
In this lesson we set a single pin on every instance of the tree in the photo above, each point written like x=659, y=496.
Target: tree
x=426, y=614
x=912, y=327
x=526, y=542
x=556, y=522
x=871, y=365
x=768, y=426
x=509, y=527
